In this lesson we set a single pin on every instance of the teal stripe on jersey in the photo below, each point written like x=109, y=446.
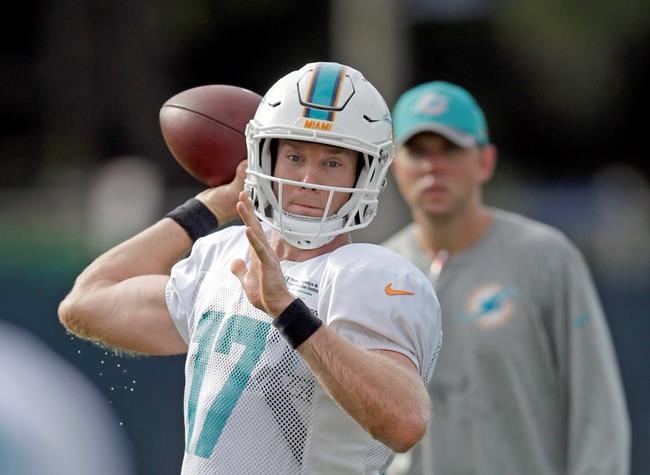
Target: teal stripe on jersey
x=324, y=90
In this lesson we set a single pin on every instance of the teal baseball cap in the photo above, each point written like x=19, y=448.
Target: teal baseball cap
x=443, y=108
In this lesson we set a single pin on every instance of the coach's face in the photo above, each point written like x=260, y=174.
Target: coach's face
x=318, y=164
x=439, y=178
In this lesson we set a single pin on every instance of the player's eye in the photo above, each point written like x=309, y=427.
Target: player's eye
x=293, y=157
x=333, y=163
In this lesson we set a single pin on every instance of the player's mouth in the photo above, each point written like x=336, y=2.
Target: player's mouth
x=304, y=209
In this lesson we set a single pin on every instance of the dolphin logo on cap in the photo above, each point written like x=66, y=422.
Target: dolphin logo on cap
x=431, y=104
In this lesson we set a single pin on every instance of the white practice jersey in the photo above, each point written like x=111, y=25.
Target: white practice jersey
x=251, y=403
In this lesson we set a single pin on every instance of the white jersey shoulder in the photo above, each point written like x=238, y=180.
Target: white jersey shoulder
x=379, y=300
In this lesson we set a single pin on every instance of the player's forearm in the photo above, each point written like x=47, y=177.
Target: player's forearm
x=152, y=252
x=121, y=294
x=130, y=315
x=388, y=401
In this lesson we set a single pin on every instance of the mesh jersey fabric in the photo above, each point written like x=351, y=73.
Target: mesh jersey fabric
x=251, y=403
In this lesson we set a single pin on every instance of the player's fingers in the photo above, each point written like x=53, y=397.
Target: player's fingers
x=247, y=213
x=241, y=211
x=241, y=169
x=245, y=209
x=260, y=246
x=238, y=267
x=254, y=231
x=240, y=175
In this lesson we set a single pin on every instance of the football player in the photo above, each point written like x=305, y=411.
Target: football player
x=305, y=353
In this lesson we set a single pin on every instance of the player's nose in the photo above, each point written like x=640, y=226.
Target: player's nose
x=312, y=174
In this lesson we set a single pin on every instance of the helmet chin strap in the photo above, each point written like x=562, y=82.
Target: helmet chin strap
x=306, y=232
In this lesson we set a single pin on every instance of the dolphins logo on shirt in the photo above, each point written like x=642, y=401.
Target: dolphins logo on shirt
x=489, y=306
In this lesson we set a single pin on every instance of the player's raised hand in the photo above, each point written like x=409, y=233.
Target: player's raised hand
x=263, y=281
x=222, y=200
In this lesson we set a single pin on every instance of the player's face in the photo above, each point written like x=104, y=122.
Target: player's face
x=318, y=164
x=437, y=177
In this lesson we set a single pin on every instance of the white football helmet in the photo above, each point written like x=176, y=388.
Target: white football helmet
x=331, y=104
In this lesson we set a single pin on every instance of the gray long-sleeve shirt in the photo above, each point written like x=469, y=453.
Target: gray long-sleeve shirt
x=527, y=380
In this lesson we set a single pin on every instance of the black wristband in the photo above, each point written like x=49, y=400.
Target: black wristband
x=195, y=218
x=296, y=323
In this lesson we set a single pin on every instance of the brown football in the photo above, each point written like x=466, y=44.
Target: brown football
x=204, y=127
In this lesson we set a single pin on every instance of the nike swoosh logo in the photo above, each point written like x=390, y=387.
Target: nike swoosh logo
x=391, y=291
